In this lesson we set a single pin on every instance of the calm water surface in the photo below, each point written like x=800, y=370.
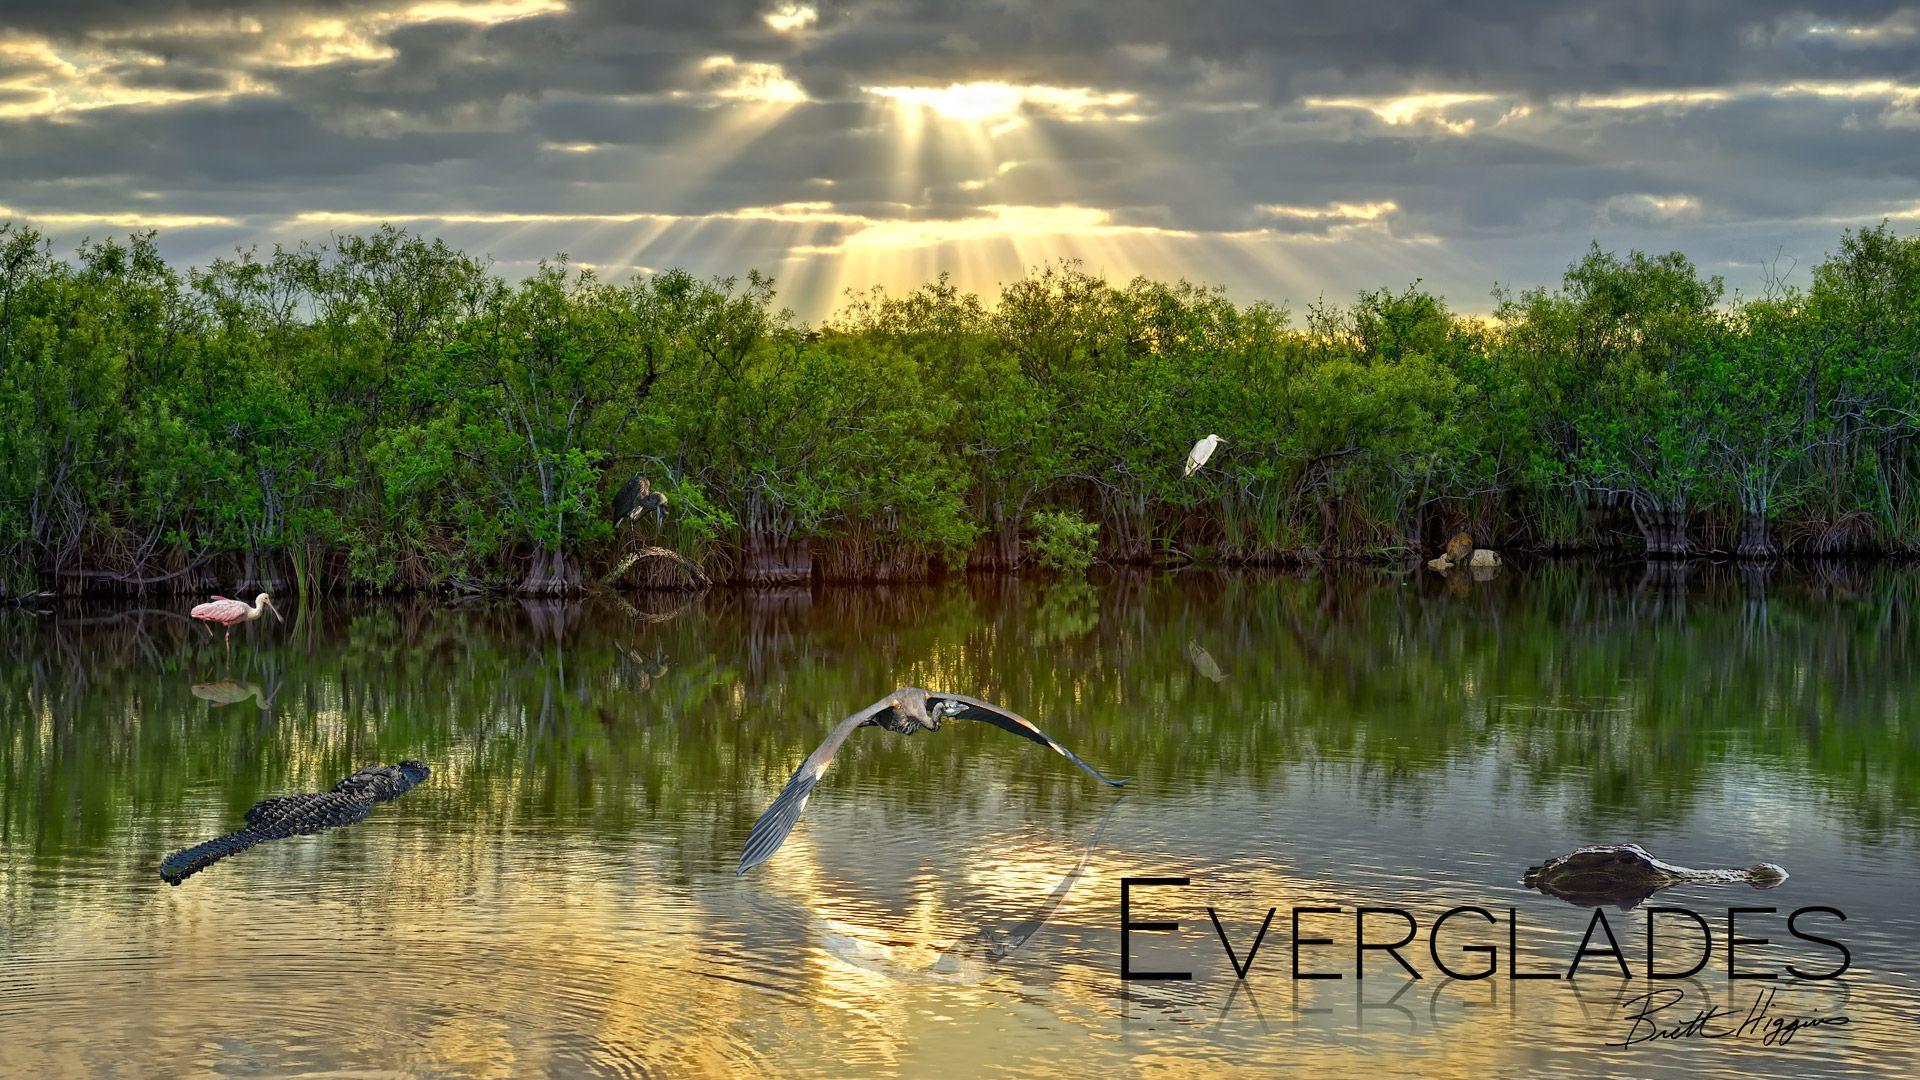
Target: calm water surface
x=560, y=895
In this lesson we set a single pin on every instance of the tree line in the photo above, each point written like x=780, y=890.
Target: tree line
x=384, y=412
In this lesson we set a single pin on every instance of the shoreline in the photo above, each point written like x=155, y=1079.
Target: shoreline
x=1665, y=569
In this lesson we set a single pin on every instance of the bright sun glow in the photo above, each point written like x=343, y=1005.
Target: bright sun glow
x=983, y=102
x=977, y=101
x=753, y=81
x=792, y=18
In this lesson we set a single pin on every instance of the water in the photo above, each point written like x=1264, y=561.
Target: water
x=560, y=894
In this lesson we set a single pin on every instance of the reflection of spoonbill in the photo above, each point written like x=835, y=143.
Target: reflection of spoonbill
x=904, y=712
x=231, y=692
x=1201, y=451
x=231, y=613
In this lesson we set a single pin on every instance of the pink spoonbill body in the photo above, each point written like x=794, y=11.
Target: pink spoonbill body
x=231, y=613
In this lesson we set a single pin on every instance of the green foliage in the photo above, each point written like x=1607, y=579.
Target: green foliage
x=385, y=412
x=1063, y=541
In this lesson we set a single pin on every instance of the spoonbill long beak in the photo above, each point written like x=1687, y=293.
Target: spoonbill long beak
x=276, y=612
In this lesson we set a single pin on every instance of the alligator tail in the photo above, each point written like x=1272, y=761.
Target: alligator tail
x=182, y=865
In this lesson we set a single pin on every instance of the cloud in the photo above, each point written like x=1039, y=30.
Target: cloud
x=792, y=18
x=1282, y=149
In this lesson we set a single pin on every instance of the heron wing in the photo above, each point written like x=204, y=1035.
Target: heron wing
x=1198, y=456
x=1006, y=720
x=771, y=830
x=627, y=499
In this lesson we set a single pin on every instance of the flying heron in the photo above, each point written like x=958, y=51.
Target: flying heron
x=1202, y=450
x=904, y=712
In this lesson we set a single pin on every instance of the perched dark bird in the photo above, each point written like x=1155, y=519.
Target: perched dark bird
x=282, y=816
x=905, y=711
x=637, y=495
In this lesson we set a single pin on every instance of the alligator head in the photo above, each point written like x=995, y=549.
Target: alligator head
x=1627, y=874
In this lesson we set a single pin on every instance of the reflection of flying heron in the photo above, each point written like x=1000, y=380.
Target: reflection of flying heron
x=970, y=959
x=993, y=944
x=637, y=495
x=904, y=712
x=1202, y=450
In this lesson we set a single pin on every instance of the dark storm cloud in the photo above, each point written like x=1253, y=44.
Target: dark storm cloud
x=1466, y=142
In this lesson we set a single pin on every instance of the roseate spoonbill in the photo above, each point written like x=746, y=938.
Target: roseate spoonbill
x=231, y=613
x=904, y=712
x=1201, y=451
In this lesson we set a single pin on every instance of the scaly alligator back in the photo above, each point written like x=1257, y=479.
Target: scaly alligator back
x=348, y=802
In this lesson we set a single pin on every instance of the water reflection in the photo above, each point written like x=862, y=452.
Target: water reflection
x=564, y=894
x=969, y=959
x=231, y=692
x=995, y=942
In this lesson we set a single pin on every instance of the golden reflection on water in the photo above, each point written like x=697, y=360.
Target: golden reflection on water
x=559, y=896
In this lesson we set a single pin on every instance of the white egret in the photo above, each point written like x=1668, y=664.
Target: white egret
x=1201, y=451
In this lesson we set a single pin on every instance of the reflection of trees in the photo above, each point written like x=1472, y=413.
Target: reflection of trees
x=1624, y=699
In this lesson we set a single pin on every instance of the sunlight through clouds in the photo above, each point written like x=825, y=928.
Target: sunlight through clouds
x=752, y=81
x=127, y=219
x=889, y=141
x=1440, y=109
x=791, y=18
x=107, y=68
x=980, y=102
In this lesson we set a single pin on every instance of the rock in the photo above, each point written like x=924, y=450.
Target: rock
x=1459, y=547
x=1442, y=564
x=1484, y=557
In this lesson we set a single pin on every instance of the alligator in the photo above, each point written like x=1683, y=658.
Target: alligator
x=282, y=816
x=1626, y=874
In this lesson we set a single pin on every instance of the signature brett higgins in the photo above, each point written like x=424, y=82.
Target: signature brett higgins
x=1760, y=1023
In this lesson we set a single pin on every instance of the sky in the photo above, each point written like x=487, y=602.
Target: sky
x=1286, y=151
